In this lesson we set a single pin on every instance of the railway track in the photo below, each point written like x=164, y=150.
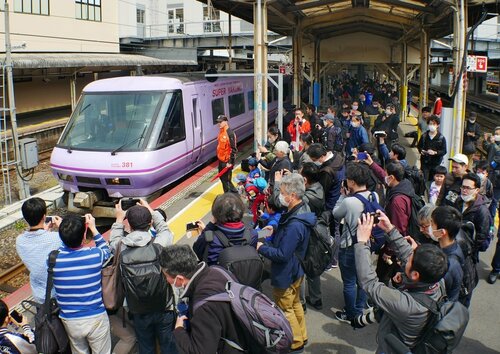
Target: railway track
x=8, y=275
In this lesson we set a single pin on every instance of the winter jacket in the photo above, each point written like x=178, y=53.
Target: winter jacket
x=278, y=165
x=358, y=137
x=233, y=231
x=479, y=215
x=269, y=156
x=304, y=127
x=450, y=191
x=469, y=145
x=291, y=239
x=226, y=145
x=212, y=321
x=402, y=314
x=493, y=173
x=331, y=175
x=389, y=125
x=398, y=205
x=17, y=343
x=314, y=197
x=454, y=275
x=438, y=144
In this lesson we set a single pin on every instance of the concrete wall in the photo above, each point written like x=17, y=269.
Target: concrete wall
x=60, y=31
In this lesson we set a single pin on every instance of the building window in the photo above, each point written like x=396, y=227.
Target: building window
x=88, y=10
x=36, y=7
x=236, y=105
x=217, y=108
x=141, y=28
x=211, y=21
x=176, y=19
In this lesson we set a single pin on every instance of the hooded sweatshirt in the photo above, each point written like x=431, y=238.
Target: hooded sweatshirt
x=291, y=239
x=398, y=205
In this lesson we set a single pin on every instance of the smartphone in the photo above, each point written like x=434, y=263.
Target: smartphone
x=191, y=226
x=362, y=156
x=375, y=218
x=16, y=316
x=264, y=233
x=128, y=203
x=344, y=184
x=48, y=219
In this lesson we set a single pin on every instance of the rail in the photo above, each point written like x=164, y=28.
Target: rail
x=10, y=274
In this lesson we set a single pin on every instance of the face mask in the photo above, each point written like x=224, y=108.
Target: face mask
x=388, y=112
x=178, y=289
x=481, y=175
x=272, y=139
x=317, y=163
x=467, y=198
x=497, y=138
x=283, y=201
x=472, y=120
x=430, y=231
x=355, y=124
x=432, y=128
x=355, y=108
x=375, y=105
x=387, y=180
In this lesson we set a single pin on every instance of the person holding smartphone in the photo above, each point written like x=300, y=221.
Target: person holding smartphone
x=14, y=342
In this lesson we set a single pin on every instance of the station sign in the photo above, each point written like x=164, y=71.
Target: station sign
x=477, y=64
x=286, y=69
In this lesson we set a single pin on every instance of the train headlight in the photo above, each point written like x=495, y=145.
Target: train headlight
x=118, y=181
x=65, y=177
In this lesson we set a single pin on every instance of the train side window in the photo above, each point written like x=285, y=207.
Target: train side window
x=250, y=100
x=275, y=92
x=217, y=108
x=195, y=111
x=236, y=105
x=269, y=93
x=173, y=129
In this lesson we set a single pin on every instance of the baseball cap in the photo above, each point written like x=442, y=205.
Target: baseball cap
x=328, y=117
x=240, y=178
x=253, y=161
x=139, y=217
x=472, y=115
x=221, y=118
x=460, y=158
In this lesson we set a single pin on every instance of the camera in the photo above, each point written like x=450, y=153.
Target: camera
x=365, y=319
x=380, y=134
x=128, y=203
x=191, y=226
x=48, y=219
x=375, y=218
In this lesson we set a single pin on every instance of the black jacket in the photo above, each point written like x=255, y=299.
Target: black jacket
x=470, y=142
x=450, y=192
x=211, y=321
x=437, y=144
x=479, y=215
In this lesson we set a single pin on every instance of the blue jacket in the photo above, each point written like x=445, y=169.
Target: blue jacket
x=292, y=236
x=358, y=137
x=233, y=231
x=454, y=276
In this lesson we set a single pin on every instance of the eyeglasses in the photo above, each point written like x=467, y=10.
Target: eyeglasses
x=467, y=188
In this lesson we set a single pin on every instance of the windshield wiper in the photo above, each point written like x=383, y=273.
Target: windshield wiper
x=130, y=142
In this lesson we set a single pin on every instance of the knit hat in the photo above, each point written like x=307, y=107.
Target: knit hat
x=139, y=217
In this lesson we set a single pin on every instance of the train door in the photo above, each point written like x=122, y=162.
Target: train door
x=196, y=127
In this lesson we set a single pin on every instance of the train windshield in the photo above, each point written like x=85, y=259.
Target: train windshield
x=111, y=122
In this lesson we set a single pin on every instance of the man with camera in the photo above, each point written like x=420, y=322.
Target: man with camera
x=424, y=267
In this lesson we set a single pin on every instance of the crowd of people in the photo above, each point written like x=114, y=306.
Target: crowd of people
x=348, y=164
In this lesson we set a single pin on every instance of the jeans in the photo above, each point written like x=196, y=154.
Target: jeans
x=90, y=332
x=152, y=326
x=354, y=296
x=288, y=301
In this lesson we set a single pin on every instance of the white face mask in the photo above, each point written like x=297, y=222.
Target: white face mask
x=317, y=163
x=355, y=108
x=178, y=289
x=355, y=124
x=497, y=138
x=467, y=198
x=271, y=139
x=432, y=128
x=472, y=120
x=430, y=231
x=481, y=176
x=388, y=112
x=283, y=201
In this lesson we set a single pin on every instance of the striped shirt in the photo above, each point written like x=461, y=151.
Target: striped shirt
x=77, y=280
x=33, y=247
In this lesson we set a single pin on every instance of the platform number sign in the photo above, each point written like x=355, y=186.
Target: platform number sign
x=477, y=64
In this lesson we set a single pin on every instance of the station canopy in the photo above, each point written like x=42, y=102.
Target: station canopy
x=393, y=19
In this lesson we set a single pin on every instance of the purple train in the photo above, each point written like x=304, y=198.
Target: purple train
x=133, y=136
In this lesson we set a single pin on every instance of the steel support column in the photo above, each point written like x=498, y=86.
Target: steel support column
x=460, y=97
x=297, y=65
x=404, y=80
x=424, y=70
x=72, y=91
x=260, y=71
x=316, y=71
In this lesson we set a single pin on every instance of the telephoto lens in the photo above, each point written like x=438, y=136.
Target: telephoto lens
x=364, y=319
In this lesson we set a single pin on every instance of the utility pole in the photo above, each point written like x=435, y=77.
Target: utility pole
x=24, y=189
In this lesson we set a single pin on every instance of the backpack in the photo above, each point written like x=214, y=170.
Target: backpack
x=465, y=239
x=320, y=247
x=416, y=177
x=338, y=143
x=238, y=257
x=445, y=327
x=417, y=203
x=370, y=205
x=265, y=322
x=495, y=165
x=145, y=286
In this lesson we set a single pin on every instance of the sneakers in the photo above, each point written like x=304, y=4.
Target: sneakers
x=304, y=307
x=492, y=277
x=318, y=305
x=342, y=317
x=330, y=267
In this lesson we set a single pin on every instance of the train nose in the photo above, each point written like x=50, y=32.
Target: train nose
x=87, y=199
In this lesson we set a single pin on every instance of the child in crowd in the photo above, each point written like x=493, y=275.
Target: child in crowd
x=435, y=189
x=269, y=219
x=254, y=170
x=13, y=342
x=240, y=181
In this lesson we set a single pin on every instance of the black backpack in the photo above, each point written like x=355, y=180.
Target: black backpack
x=320, y=247
x=496, y=169
x=417, y=203
x=238, y=256
x=145, y=286
x=465, y=239
x=416, y=177
x=445, y=327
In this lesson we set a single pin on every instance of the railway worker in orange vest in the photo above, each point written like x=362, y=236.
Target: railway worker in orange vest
x=226, y=153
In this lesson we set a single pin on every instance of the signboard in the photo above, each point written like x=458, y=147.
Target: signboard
x=282, y=69
x=477, y=64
